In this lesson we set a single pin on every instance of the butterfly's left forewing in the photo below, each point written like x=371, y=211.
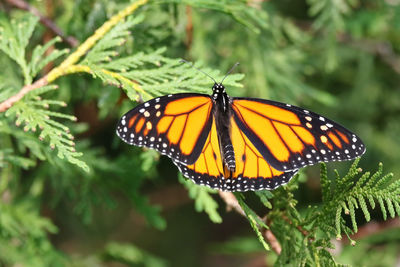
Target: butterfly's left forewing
x=175, y=125
x=289, y=137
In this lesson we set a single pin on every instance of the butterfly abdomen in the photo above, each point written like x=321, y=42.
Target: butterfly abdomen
x=229, y=157
x=222, y=115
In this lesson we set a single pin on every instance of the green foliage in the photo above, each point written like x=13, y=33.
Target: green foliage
x=203, y=201
x=346, y=195
x=131, y=255
x=237, y=245
x=355, y=255
x=33, y=110
x=330, y=12
x=34, y=113
x=14, y=39
x=329, y=18
x=71, y=193
x=158, y=74
x=306, y=236
x=255, y=222
x=252, y=18
x=24, y=235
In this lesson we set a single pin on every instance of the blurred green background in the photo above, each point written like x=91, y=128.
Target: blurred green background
x=338, y=58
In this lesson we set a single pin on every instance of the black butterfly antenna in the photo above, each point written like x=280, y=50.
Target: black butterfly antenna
x=229, y=72
x=192, y=65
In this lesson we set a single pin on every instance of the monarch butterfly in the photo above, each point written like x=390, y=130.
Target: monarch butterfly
x=234, y=143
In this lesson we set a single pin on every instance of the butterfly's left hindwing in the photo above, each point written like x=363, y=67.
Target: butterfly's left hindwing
x=289, y=137
x=175, y=125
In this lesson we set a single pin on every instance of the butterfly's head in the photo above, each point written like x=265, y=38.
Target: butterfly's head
x=218, y=88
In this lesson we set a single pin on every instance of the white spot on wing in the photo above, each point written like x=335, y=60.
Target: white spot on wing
x=324, y=127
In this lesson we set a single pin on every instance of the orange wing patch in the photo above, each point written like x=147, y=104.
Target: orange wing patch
x=252, y=171
x=139, y=125
x=175, y=125
x=210, y=161
x=250, y=165
x=343, y=136
x=305, y=135
x=164, y=123
x=185, y=105
x=273, y=112
x=195, y=121
x=176, y=129
x=292, y=139
x=335, y=139
x=208, y=169
x=264, y=130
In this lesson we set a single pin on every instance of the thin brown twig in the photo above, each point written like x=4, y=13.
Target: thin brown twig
x=21, y=4
x=26, y=89
x=232, y=204
x=298, y=227
x=272, y=241
x=49, y=35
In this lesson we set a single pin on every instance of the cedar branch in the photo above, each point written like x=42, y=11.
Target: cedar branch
x=232, y=204
x=67, y=66
x=73, y=42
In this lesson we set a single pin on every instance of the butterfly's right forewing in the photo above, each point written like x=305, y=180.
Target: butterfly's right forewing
x=175, y=125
